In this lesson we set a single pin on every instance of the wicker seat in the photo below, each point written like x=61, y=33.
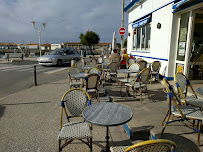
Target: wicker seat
x=112, y=73
x=182, y=84
x=183, y=113
x=155, y=67
x=77, y=83
x=143, y=64
x=139, y=83
x=74, y=102
x=79, y=65
x=159, y=145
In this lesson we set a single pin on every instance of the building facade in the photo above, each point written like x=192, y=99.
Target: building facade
x=170, y=31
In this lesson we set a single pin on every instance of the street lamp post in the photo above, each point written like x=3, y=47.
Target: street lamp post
x=39, y=29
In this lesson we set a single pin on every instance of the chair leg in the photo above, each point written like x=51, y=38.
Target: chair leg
x=140, y=95
x=59, y=146
x=166, y=122
x=165, y=117
x=90, y=144
x=198, y=135
x=151, y=80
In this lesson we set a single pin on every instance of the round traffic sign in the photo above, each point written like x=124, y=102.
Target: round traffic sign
x=122, y=31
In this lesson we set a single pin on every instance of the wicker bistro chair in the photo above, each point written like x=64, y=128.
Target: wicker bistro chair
x=132, y=76
x=105, y=64
x=185, y=113
x=130, y=61
x=158, y=145
x=143, y=64
x=182, y=84
x=76, y=83
x=91, y=83
x=139, y=83
x=74, y=102
x=155, y=67
x=79, y=65
x=112, y=73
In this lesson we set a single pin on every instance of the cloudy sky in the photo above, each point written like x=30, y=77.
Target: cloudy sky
x=65, y=19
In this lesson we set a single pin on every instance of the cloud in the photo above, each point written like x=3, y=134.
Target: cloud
x=65, y=19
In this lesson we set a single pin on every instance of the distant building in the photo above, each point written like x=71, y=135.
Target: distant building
x=96, y=47
x=55, y=46
x=5, y=45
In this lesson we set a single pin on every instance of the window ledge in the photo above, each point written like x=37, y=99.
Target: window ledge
x=141, y=51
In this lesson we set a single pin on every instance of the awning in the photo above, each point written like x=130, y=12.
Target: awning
x=182, y=4
x=141, y=22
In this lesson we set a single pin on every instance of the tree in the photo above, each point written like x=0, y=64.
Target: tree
x=89, y=39
x=125, y=43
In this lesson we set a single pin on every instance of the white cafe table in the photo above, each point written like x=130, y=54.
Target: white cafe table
x=107, y=114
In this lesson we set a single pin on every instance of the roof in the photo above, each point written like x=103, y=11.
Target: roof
x=5, y=43
x=129, y=6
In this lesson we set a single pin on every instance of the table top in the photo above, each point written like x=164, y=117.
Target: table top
x=107, y=114
x=126, y=71
x=200, y=90
x=79, y=75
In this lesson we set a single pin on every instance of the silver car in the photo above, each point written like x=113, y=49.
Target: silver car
x=59, y=57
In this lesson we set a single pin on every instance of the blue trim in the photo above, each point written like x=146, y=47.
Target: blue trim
x=153, y=11
x=130, y=5
x=142, y=22
x=152, y=137
x=151, y=57
x=127, y=129
x=177, y=10
x=141, y=52
x=177, y=4
x=169, y=78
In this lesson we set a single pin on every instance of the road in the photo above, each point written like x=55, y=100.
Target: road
x=14, y=78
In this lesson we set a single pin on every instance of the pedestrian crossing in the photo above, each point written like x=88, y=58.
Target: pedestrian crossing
x=30, y=68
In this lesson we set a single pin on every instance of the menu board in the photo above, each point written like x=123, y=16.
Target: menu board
x=181, y=51
x=183, y=34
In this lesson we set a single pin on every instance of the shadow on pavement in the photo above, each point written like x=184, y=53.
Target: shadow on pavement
x=2, y=109
x=13, y=104
x=157, y=95
x=183, y=144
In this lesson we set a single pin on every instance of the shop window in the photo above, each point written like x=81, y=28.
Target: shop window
x=141, y=38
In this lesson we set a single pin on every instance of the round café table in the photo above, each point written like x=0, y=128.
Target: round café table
x=128, y=71
x=200, y=90
x=107, y=114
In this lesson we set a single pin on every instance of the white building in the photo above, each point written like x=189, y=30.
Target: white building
x=170, y=31
x=55, y=46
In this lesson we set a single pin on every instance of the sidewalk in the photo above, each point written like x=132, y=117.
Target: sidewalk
x=27, y=60
x=30, y=119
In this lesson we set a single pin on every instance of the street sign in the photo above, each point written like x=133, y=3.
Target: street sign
x=122, y=31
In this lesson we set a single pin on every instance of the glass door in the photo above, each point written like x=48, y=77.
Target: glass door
x=196, y=53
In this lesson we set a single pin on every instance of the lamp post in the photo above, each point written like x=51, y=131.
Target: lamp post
x=39, y=29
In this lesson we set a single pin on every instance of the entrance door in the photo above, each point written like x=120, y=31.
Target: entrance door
x=196, y=54
x=189, y=58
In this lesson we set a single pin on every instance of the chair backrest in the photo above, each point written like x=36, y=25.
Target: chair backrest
x=143, y=64
x=158, y=145
x=106, y=61
x=90, y=64
x=75, y=101
x=144, y=75
x=130, y=61
x=87, y=59
x=94, y=61
x=73, y=70
x=182, y=84
x=113, y=66
x=79, y=65
x=134, y=66
x=156, y=66
x=92, y=81
x=139, y=59
x=100, y=59
x=94, y=70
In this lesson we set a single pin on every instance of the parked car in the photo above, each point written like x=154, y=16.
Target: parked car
x=59, y=57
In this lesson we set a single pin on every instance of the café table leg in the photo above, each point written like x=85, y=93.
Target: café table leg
x=107, y=139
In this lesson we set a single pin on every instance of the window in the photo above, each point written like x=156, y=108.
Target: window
x=141, y=38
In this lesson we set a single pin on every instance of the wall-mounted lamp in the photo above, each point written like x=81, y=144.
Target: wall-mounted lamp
x=158, y=25
x=128, y=34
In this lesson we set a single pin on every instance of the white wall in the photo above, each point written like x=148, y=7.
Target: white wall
x=160, y=40
x=55, y=46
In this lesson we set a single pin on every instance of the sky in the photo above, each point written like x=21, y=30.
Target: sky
x=65, y=20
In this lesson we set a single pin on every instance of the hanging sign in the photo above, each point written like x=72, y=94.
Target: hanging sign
x=141, y=22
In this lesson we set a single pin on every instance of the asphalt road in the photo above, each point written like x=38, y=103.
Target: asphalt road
x=14, y=78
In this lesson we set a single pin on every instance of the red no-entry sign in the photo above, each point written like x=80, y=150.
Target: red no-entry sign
x=122, y=31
